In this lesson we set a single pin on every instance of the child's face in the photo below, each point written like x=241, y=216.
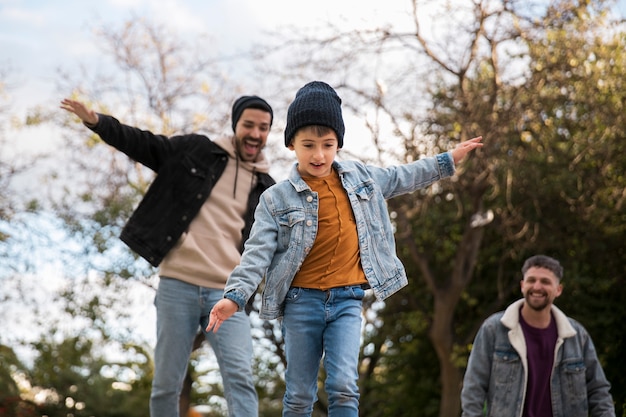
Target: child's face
x=315, y=153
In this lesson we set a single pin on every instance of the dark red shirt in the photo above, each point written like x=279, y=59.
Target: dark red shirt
x=540, y=345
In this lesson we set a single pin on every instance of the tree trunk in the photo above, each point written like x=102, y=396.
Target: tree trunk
x=441, y=337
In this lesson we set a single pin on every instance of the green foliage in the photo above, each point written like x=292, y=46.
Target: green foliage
x=82, y=382
x=10, y=364
x=11, y=401
x=407, y=364
x=551, y=171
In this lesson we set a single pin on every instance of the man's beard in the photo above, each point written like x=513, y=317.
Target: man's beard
x=534, y=304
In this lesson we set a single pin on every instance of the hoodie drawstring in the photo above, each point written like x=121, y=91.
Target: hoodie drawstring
x=236, y=175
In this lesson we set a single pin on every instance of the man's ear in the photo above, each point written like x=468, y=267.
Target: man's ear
x=559, y=290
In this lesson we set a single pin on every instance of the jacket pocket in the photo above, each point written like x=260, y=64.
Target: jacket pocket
x=290, y=228
x=187, y=179
x=574, y=383
x=506, y=371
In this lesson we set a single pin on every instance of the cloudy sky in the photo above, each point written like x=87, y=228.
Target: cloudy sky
x=37, y=37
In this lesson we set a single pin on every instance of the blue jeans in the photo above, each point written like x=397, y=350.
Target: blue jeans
x=322, y=323
x=181, y=308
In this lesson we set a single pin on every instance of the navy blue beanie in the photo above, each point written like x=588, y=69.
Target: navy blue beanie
x=250, y=102
x=315, y=104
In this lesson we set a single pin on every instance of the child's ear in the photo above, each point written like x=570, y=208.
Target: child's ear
x=290, y=146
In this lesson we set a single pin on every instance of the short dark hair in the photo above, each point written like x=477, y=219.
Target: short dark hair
x=543, y=261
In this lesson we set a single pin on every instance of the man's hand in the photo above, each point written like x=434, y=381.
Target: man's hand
x=88, y=116
x=220, y=313
x=464, y=148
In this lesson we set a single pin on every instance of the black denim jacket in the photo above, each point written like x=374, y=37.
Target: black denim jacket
x=187, y=167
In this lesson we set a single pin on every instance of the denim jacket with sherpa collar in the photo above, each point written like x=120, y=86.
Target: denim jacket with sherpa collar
x=285, y=228
x=497, y=370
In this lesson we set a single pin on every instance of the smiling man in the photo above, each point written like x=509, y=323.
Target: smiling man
x=192, y=224
x=531, y=360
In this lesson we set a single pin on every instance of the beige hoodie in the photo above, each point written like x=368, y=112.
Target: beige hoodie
x=209, y=250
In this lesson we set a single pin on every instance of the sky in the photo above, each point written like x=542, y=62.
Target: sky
x=38, y=36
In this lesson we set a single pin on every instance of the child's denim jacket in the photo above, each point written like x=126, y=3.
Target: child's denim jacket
x=285, y=227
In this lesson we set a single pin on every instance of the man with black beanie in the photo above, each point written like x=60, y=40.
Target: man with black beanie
x=192, y=224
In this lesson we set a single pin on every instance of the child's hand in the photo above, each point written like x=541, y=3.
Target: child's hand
x=220, y=313
x=464, y=148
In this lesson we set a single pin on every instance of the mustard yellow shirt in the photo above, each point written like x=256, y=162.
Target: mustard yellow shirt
x=334, y=260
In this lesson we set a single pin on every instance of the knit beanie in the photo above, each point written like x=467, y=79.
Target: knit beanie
x=315, y=104
x=250, y=102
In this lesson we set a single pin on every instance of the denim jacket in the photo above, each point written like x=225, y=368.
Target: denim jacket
x=187, y=167
x=285, y=227
x=497, y=370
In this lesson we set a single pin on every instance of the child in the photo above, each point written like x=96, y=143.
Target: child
x=320, y=239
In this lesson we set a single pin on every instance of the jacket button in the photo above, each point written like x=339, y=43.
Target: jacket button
x=169, y=238
x=309, y=198
x=184, y=218
x=193, y=170
x=199, y=196
x=309, y=222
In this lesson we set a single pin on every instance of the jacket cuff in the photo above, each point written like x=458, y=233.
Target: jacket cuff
x=446, y=164
x=237, y=297
x=93, y=126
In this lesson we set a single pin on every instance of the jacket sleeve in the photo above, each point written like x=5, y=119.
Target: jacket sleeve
x=257, y=256
x=477, y=374
x=403, y=179
x=140, y=145
x=599, y=398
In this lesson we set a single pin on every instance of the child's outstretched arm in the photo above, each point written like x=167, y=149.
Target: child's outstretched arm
x=464, y=148
x=220, y=312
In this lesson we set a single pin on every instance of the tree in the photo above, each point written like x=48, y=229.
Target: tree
x=463, y=240
x=579, y=125
x=11, y=403
x=80, y=381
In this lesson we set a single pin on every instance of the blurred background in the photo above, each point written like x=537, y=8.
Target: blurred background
x=541, y=81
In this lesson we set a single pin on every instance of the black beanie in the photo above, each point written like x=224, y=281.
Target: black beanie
x=247, y=102
x=315, y=104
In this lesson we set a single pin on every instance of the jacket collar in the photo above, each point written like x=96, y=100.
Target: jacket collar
x=511, y=319
x=300, y=185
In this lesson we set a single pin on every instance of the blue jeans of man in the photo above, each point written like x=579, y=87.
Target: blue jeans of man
x=181, y=308
x=322, y=323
